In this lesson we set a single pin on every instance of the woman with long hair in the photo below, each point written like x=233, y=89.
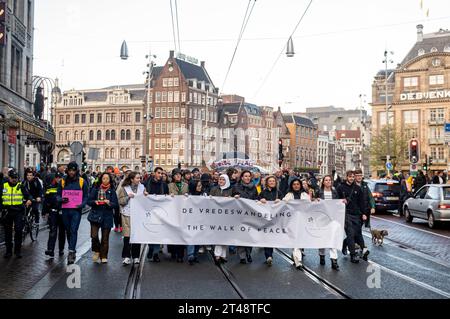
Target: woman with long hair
x=130, y=187
x=102, y=200
x=328, y=192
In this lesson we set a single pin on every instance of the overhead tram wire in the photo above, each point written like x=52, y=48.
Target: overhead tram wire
x=173, y=28
x=178, y=25
x=282, y=50
x=241, y=33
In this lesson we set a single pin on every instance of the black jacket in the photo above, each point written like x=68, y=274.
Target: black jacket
x=271, y=194
x=245, y=191
x=34, y=188
x=354, y=196
x=367, y=194
x=155, y=187
x=206, y=189
x=420, y=181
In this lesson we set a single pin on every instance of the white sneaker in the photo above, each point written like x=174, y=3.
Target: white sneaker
x=269, y=261
x=201, y=250
x=136, y=261
x=208, y=248
x=126, y=261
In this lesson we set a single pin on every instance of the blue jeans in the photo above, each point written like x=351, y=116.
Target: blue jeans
x=153, y=249
x=192, y=251
x=71, y=219
x=268, y=252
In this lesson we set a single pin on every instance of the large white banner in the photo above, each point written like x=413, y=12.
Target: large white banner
x=199, y=220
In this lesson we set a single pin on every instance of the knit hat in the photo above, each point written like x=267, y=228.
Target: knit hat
x=72, y=166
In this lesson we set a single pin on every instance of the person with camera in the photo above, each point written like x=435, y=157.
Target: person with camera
x=13, y=195
x=73, y=194
x=53, y=212
x=103, y=201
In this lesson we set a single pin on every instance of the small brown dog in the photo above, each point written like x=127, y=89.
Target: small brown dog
x=378, y=236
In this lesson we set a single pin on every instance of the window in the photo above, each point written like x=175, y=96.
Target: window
x=183, y=96
x=137, y=153
x=163, y=113
x=60, y=136
x=163, y=144
x=169, y=127
x=99, y=135
x=16, y=69
x=164, y=97
x=113, y=136
x=157, y=128
x=61, y=119
x=99, y=117
x=107, y=154
x=176, y=112
x=169, y=112
x=434, y=193
x=433, y=49
x=122, y=153
x=436, y=62
x=128, y=153
x=156, y=143
x=170, y=97
x=76, y=136
x=77, y=118
x=113, y=117
x=122, y=117
x=67, y=119
x=137, y=117
x=437, y=79
x=128, y=135
x=411, y=117
x=113, y=153
x=108, y=117
x=165, y=82
x=158, y=97
x=382, y=118
x=128, y=117
x=170, y=82
x=441, y=153
x=137, y=135
x=183, y=113
x=91, y=135
x=122, y=135
x=437, y=114
x=83, y=118
x=176, y=96
x=176, y=82
x=436, y=133
x=157, y=112
x=421, y=52
x=163, y=128
x=67, y=135
x=410, y=81
x=108, y=135
x=83, y=136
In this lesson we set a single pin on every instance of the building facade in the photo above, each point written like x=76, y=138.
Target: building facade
x=419, y=93
x=19, y=127
x=303, y=143
x=109, y=119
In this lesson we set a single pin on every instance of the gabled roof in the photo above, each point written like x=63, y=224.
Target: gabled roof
x=439, y=40
x=193, y=71
x=95, y=96
x=298, y=120
x=356, y=134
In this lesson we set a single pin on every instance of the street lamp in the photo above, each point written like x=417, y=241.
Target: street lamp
x=147, y=116
x=386, y=61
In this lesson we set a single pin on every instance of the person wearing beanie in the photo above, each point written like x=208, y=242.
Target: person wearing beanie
x=72, y=216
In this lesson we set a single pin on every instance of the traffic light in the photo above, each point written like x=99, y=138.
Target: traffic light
x=83, y=161
x=414, y=151
x=280, y=152
x=430, y=161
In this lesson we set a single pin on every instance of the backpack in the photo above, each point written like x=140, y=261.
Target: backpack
x=81, y=180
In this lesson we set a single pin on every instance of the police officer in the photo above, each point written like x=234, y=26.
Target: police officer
x=53, y=210
x=354, y=213
x=13, y=196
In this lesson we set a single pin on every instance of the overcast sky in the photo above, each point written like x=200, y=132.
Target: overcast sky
x=339, y=45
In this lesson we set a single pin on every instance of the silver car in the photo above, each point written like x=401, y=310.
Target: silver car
x=431, y=202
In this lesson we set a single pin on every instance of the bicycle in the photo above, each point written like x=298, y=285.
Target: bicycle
x=30, y=227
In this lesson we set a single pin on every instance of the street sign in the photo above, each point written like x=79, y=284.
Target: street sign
x=389, y=166
x=447, y=133
x=93, y=153
x=76, y=147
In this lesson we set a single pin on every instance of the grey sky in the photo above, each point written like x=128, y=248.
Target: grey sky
x=339, y=45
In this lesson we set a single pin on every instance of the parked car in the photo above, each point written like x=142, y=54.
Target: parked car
x=431, y=202
x=386, y=193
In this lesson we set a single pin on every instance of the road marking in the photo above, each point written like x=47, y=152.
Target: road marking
x=420, y=266
x=425, y=231
x=410, y=250
x=412, y=280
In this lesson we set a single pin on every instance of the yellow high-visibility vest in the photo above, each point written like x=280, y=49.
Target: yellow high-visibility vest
x=12, y=196
x=52, y=190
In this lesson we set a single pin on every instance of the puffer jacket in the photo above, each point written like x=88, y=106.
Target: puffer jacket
x=245, y=191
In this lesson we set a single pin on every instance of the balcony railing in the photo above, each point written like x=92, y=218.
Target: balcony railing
x=436, y=141
x=19, y=30
x=436, y=121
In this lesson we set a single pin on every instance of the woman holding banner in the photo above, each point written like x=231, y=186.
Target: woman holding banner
x=130, y=187
x=245, y=189
x=296, y=191
x=270, y=193
x=328, y=192
x=222, y=190
x=177, y=187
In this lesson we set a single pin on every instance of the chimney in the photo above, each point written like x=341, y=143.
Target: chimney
x=171, y=54
x=419, y=33
x=202, y=63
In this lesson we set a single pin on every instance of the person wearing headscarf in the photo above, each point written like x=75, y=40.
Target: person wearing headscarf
x=223, y=189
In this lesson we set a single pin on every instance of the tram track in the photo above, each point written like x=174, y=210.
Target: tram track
x=133, y=287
